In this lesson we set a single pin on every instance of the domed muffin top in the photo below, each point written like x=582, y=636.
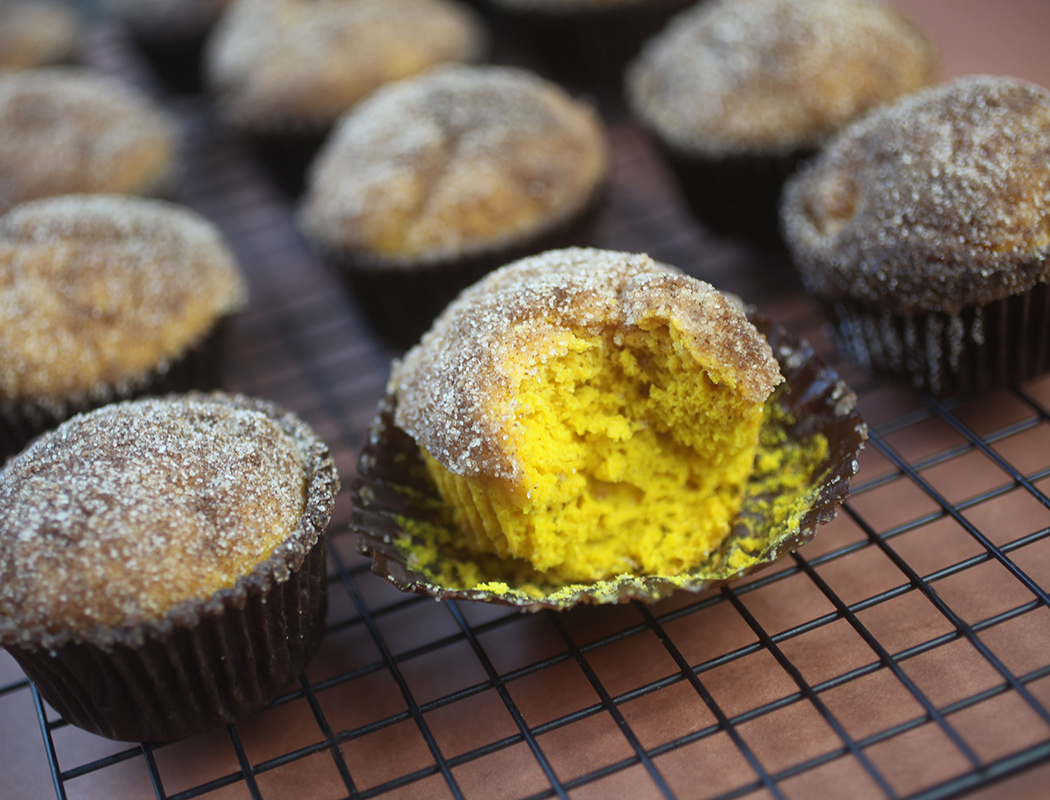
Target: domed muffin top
x=939, y=201
x=296, y=65
x=457, y=160
x=98, y=289
x=123, y=513
x=35, y=33
x=773, y=76
x=68, y=129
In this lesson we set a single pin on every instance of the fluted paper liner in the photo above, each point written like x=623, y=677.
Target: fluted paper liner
x=810, y=440
x=998, y=344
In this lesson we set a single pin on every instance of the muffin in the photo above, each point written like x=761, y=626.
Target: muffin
x=102, y=297
x=67, y=129
x=437, y=179
x=583, y=42
x=163, y=562
x=283, y=71
x=170, y=34
x=37, y=34
x=925, y=230
x=737, y=92
x=595, y=425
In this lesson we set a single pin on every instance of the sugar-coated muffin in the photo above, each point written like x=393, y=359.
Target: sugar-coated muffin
x=171, y=34
x=37, y=33
x=163, y=562
x=737, y=92
x=925, y=228
x=437, y=179
x=68, y=129
x=590, y=413
x=103, y=296
x=283, y=71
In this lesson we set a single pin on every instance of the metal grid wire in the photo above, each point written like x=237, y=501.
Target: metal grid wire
x=904, y=654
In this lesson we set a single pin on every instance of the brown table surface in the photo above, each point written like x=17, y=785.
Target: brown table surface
x=904, y=653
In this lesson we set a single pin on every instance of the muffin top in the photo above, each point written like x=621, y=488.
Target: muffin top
x=296, y=65
x=458, y=160
x=453, y=389
x=35, y=33
x=97, y=289
x=124, y=513
x=731, y=77
x=67, y=129
x=938, y=202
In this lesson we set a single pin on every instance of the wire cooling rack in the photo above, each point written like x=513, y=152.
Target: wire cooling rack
x=905, y=653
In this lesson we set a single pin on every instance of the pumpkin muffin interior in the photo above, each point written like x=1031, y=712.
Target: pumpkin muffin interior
x=634, y=457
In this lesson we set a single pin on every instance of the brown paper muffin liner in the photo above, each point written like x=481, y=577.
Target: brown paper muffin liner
x=980, y=348
x=200, y=367
x=401, y=300
x=808, y=451
x=207, y=662
x=736, y=196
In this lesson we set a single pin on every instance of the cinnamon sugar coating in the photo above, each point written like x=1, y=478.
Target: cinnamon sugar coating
x=939, y=202
x=100, y=289
x=729, y=77
x=458, y=160
x=68, y=129
x=122, y=514
x=296, y=65
x=453, y=388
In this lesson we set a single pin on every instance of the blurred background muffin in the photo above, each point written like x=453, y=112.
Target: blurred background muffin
x=102, y=297
x=435, y=180
x=69, y=129
x=737, y=92
x=283, y=71
x=925, y=229
x=170, y=33
x=37, y=33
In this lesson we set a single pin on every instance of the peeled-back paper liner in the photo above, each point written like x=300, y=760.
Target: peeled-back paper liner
x=197, y=368
x=980, y=348
x=808, y=451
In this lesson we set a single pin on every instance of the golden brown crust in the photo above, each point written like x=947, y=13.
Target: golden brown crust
x=67, y=129
x=35, y=33
x=125, y=513
x=938, y=202
x=296, y=65
x=458, y=160
x=453, y=388
x=96, y=289
x=774, y=76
